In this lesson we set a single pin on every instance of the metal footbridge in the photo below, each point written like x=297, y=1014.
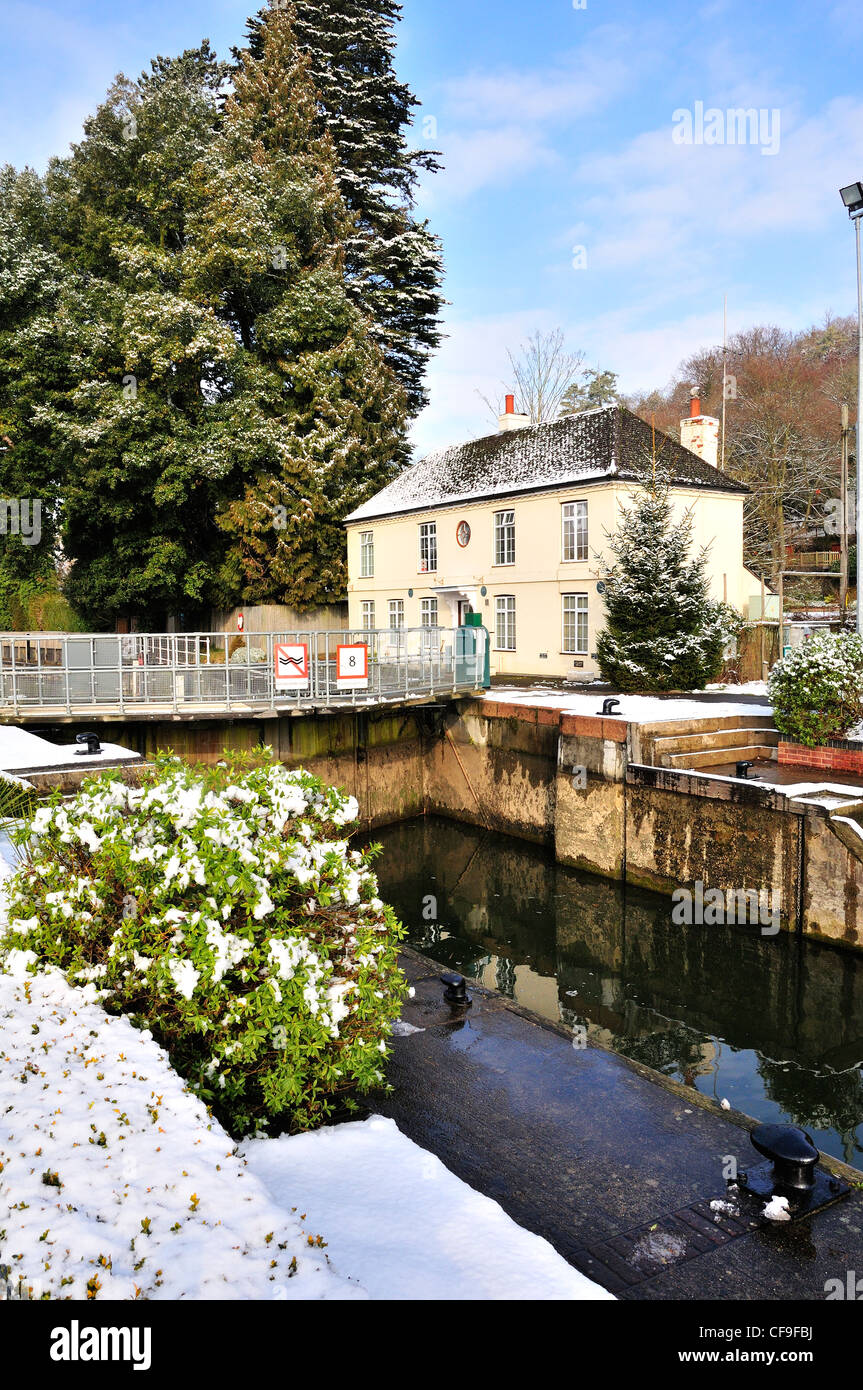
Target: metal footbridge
x=55, y=676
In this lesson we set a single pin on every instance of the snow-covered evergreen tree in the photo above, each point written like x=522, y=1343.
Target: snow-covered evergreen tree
x=663, y=631
x=32, y=365
x=321, y=426
x=215, y=401
x=142, y=351
x=394, y=261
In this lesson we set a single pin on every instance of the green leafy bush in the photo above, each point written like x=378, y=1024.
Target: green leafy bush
x=223, y=909
x=817, y=690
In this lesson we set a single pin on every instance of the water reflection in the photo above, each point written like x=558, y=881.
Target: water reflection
x=775, y=1024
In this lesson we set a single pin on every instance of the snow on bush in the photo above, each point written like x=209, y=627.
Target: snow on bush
x=817, y=690
x=223, y=909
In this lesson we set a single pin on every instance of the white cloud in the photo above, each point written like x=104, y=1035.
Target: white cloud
x=656, y=205
x=495, y=125
x=582, y=81
x=472, y=362
x=480, y=158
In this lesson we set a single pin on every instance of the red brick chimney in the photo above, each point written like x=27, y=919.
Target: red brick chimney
x=700, y=433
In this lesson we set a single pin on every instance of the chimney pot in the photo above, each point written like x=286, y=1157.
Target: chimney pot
x=700, y=433
x=509, y=420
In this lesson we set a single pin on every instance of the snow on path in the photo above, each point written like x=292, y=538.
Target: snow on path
x=637, y=709
x=406, y=1226
x=156, y=1203
x=153, y=1202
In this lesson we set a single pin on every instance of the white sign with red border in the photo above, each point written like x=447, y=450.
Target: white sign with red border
x=292, y=665
x=352, y=666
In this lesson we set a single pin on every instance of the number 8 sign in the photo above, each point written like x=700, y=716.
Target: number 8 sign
x=352, y=667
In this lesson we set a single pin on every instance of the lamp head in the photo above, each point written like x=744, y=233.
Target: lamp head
x=852, y=197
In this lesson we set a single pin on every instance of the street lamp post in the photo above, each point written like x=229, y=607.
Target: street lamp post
x=852, y=197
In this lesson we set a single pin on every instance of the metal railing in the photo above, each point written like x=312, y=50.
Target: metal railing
x=178, y=671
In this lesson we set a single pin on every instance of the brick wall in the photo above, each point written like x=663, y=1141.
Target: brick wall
x=837, y=756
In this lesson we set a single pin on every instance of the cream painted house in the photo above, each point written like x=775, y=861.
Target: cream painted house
x=513, y=527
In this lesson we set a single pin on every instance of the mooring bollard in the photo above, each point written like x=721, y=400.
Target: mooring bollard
x=455, y=992
x=792, y=1153
x=92, y=743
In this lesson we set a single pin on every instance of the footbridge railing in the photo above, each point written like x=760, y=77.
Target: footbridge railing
x=69, y=672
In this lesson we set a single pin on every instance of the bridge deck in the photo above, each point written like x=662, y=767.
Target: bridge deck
x=65, y=677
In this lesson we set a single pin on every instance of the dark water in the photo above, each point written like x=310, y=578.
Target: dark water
x=774, y=1024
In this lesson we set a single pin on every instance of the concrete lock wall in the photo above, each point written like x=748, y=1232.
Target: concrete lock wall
x=569, y=782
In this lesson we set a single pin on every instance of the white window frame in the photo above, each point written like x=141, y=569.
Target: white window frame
x=368, y=614
x=504, y=607
x=573, y=529
x=504, y=537
x=367, y=554
x=428, y=608
x=580, y=607
x=397, y=611
x=427, y=547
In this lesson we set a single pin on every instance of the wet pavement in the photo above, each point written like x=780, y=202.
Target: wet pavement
x=613, y=1165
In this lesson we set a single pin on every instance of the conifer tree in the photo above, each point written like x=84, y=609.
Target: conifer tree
x=663, y=631
x=322, y=420
x=143, y=355
x=218, y=402
x=393, y=260
x=32, y=363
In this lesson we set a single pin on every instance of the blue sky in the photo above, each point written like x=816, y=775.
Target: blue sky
x=556, y=120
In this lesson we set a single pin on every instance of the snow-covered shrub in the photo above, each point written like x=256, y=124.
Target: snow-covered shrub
x=223, y=909
x=817, y=690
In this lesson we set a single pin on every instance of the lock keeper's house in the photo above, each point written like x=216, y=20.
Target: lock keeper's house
x=514, y=527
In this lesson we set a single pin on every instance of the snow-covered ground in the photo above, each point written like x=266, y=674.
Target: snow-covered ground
x=637, y=709
x=115, y=1183
x=403, y=1224
x=747, y=688
x=21, y=751
x=152, y=1202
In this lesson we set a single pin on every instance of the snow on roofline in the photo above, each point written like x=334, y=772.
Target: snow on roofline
x=593, y=445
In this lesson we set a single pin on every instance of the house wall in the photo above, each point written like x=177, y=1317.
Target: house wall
x=539, y=578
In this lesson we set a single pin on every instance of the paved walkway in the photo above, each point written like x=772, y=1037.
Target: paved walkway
x=615, y=1169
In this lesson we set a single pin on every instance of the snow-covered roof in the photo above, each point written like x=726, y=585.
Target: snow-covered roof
x=589, y=447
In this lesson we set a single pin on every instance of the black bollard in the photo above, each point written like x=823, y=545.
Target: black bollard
x=92, y=742
x=792, y=1153
x=455, y=992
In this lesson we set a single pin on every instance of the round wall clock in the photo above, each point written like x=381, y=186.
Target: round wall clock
x=462, y=533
